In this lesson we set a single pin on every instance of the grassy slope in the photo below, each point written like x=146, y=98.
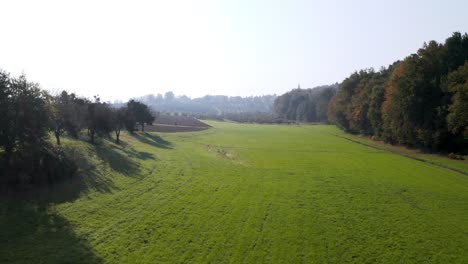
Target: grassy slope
x=435, y=159
x=243, y=193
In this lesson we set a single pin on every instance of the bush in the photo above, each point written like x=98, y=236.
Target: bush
x=455, y=156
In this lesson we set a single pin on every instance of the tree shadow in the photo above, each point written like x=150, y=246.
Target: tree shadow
x=88, y=178
x=29, y=233
x=133, y=153
x=141, y=155
x=153, y=140
x=117, y=160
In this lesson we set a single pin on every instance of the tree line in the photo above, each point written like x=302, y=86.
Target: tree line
x=421, y=101
x=29, y=115
x=306, y=105
x=246, y=117
x=209, y=104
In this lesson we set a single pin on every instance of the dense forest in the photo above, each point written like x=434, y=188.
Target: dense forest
x=306, y=105
x=421, y=101
x=29, y=116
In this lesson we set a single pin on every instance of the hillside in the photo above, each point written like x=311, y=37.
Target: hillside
x=209, y=104
x=244, y=194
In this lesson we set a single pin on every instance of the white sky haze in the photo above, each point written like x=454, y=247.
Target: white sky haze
x=124, y=49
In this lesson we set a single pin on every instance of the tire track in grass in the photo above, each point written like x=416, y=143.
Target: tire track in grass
x=260, y=229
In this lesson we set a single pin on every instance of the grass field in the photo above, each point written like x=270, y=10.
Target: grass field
x=243, y=194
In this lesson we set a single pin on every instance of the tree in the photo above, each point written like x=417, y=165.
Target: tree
x=23, y=121
x=357, y=110
x=130, y=121
x=376, y=98
x=458, y=110
x=7, y=134
x=339, y=110
x=305, y=104
x=138, y=113
x=415, y=105
x=455, y=52
x=169, y=96
x=67, y=114
x=99, y=119
x=322, y=101
x=119, y=116
x=394, y=108
x=24, y=134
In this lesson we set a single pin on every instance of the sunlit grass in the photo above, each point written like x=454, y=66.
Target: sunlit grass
x=242, y=193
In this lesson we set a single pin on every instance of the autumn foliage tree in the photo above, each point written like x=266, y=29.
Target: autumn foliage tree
x=345, y=110
x=417, y=102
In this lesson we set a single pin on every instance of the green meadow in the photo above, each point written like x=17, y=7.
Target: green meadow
x=240, y=193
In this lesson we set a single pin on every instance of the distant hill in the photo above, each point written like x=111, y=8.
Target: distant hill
x=210, y=104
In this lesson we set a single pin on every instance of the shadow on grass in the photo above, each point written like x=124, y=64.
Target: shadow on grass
x=122, y=159
x=153, y=140
x=93, y=173
x=132, y=153
x=142, y=155
x=29, y=233
x=117, y=160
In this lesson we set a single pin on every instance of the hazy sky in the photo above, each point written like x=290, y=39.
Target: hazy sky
x=122, y=49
